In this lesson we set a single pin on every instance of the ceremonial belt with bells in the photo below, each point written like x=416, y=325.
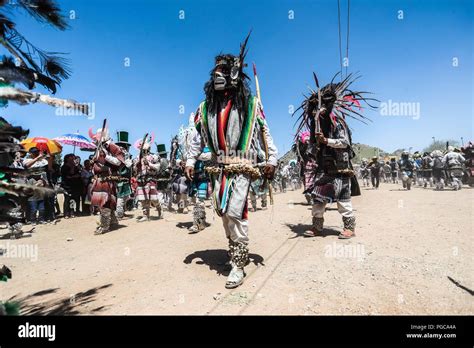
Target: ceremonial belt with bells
x=115, y=178
x=234, y=165
x=342, y=172
x=143, y=179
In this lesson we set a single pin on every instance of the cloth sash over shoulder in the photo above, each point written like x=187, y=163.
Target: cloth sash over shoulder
x=229, y=137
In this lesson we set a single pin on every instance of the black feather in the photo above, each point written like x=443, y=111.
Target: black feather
x=42, y=62
x=7, y=131
x=46, y=11
x=5, y=25
x=10, y=147
x=9, y=72
x=57, y=67
x=239, y=95
x=336, y=98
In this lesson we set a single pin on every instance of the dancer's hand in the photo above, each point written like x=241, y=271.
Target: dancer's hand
x=269, y=171
x=321, y=139
x=189, y=172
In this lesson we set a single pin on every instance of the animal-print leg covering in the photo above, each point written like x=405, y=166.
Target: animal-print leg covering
x=349, y=223
x=240, y=256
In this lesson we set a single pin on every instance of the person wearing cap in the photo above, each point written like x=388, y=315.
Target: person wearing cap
x=407, y=167
x=374, y=167
x=36, y=202
x=417, y=174
x=364, y=172
x=387, y=170
x=124, y=188
x=394, y=170
x=35, y=159
x=453, y=161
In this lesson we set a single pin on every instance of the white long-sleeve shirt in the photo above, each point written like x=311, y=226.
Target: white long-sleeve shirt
x=337, y=143
x=197, y=144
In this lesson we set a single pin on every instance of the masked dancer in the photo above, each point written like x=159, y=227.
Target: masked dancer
x=146, y=167
x=324, y=114
x=231, y=123
x=107, y=161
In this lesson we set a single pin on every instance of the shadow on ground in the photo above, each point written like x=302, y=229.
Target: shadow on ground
x=115, y=228
x=302, y=203
x=185, y=225
x=299, y=230
x=72, y=305
x=216, y=259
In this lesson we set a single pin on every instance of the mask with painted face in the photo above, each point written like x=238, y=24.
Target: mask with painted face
x=228, y=80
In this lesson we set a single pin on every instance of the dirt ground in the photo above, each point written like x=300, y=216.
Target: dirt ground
x=413, y=254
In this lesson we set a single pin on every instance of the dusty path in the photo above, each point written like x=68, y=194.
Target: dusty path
x=413, y=255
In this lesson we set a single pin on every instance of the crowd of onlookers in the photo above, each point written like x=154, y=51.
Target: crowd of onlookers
x=67, y=176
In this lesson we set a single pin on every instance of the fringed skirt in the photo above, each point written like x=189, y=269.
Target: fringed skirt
x=309, y=174
x=104, y=194
x=147, y=192
x=329, y=188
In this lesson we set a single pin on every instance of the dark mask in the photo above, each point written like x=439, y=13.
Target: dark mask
x=227, y=72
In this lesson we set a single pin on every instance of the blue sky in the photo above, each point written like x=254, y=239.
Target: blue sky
x=402, y=60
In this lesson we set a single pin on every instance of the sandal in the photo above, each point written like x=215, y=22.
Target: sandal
x=194, y=229
x=143, y=219
x=312, y=233
x=235, y=278
x=346, y=234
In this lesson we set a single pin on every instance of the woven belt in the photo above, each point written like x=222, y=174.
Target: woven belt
x=254, y=173
x=113, y=178
x=342, y=172
x=228, y=160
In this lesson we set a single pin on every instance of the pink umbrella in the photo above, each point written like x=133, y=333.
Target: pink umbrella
x=75, y=140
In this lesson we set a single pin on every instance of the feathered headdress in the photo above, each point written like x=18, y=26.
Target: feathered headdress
x=336, y=100
x=148, y=141
x=233, y=68
x=98, y=135
x=234, y=64
x=304, y=136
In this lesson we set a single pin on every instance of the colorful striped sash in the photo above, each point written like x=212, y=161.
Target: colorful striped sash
x=247, y=128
